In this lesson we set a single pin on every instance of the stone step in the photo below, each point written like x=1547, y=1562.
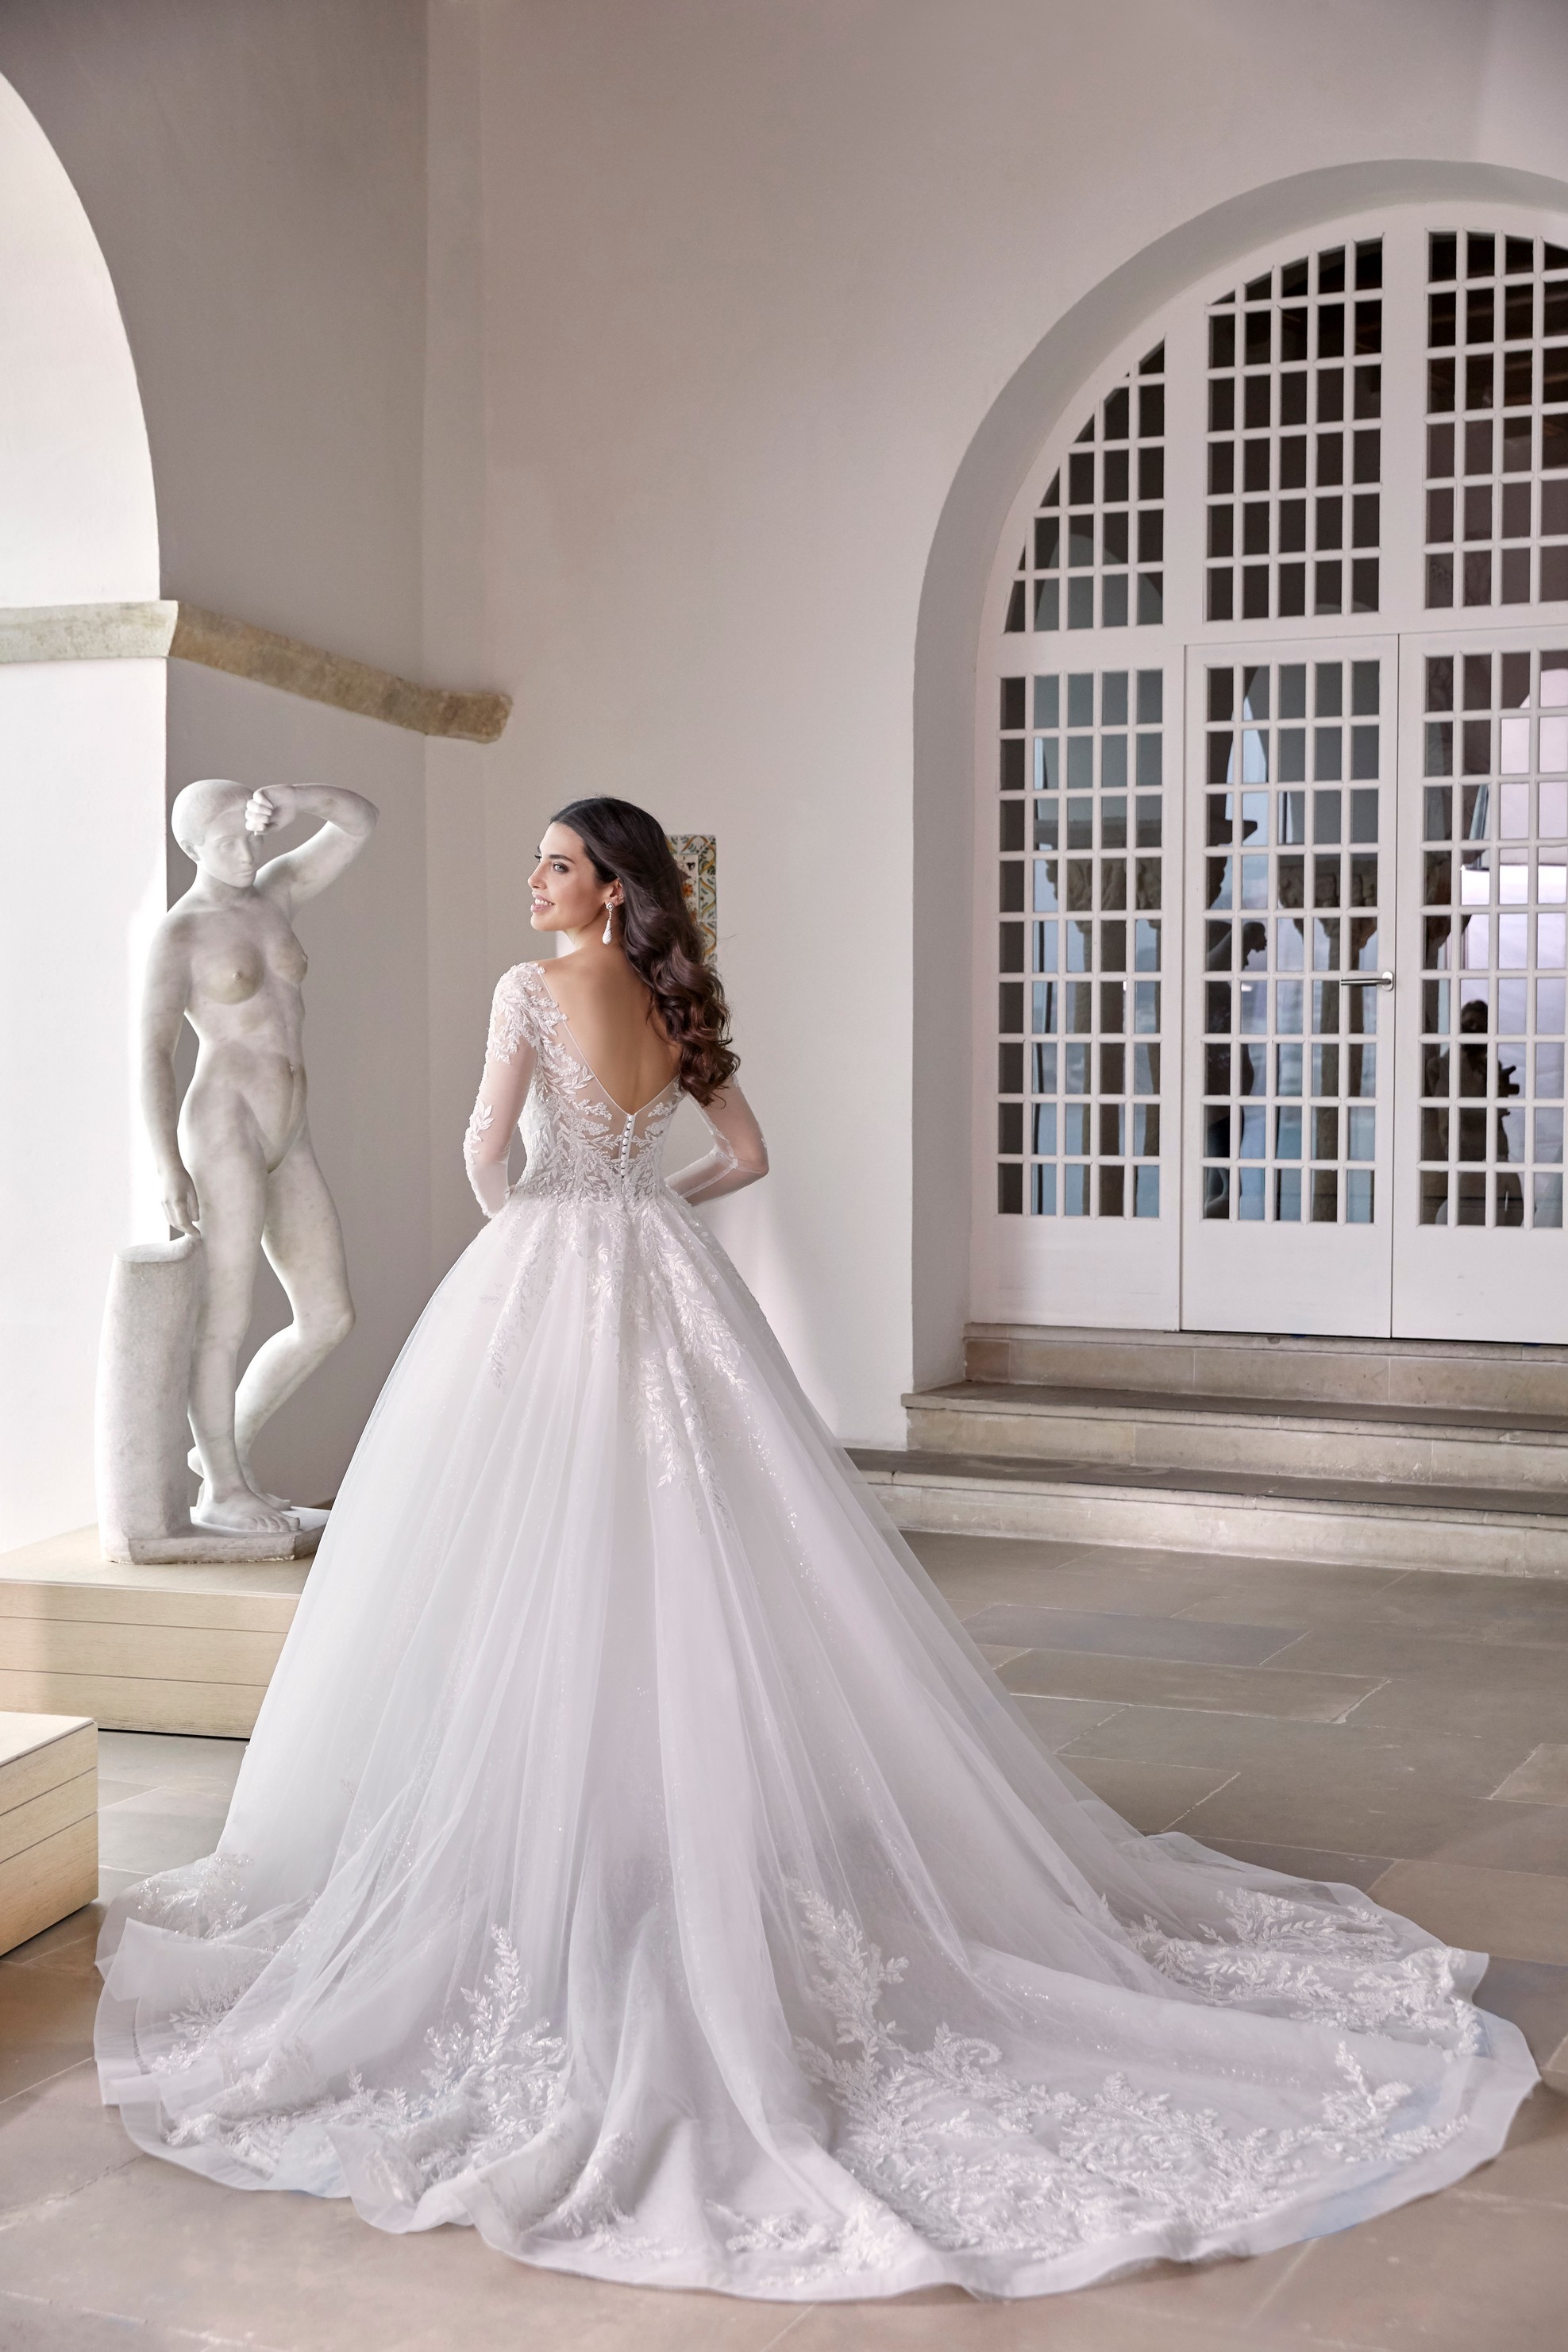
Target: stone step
x=1435, y=1446
x=1476, y=1530
x=1472, y=1375
x=188, y=1648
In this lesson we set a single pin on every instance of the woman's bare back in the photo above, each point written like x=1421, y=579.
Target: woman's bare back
x=612, y=1016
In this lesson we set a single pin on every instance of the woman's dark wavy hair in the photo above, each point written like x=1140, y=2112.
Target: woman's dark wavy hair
x=660, y=939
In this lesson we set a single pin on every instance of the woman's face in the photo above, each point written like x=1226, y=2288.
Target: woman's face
x=567, y=893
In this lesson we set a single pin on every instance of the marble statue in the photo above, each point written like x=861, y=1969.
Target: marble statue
x=235, y=1160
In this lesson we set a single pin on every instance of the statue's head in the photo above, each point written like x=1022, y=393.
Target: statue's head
x=208, y=820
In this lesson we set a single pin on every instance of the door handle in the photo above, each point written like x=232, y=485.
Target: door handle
x=1369, y=980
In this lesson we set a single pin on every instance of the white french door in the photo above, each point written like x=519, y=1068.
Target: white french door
x=1292, y=824
x=1479, y=1031
x=1272, y=895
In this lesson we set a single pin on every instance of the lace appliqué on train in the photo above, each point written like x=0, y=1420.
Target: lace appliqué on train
x=492, y=2085
x=200, y=1898
x=1341, y=1968
x=976, y=2162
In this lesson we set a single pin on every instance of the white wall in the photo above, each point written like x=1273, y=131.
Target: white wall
x=255, y=174
x=81, y=819
x=755, y=280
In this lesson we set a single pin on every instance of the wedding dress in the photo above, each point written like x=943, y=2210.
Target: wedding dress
x=635, y=1860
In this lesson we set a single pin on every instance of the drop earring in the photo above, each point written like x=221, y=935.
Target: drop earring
x=608, y=935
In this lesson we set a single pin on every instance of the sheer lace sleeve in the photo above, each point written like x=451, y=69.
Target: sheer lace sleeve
x=738, y=1156
x=509, y=1057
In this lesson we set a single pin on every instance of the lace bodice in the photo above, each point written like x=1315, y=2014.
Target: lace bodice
x=579, y=1141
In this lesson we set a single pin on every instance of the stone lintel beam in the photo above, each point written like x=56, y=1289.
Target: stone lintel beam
x=167, y=628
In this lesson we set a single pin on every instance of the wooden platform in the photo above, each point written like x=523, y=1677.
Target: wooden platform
x=188, y=1648
x=48, y=1821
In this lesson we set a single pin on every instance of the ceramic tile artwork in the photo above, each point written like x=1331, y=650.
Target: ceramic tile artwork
x=1425, y=1766
x=696, y=855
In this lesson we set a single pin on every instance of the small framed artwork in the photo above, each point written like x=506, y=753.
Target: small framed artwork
x=697, y=855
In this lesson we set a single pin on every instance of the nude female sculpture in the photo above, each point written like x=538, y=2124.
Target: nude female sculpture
x=236, y=1163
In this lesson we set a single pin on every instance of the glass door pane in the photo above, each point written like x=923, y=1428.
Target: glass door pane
x=1290, y=824
x=1479, y=1108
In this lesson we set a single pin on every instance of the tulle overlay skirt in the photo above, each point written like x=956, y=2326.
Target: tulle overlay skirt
x=635, y=1861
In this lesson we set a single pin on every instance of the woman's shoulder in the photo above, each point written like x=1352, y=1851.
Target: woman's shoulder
x=521, y=1001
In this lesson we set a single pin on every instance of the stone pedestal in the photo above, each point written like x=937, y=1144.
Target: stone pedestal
x=145, y=1485
x=141, y=1432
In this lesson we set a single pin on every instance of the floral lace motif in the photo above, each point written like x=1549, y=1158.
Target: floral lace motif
x=978, y=2161
x=202, y=1898
x=579, y=1143
x=492, y=2085
x=1341, y=1968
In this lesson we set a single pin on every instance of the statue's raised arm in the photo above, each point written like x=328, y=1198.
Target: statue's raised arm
x=348, y=821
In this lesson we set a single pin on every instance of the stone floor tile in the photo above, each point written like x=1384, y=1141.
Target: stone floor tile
x=159, y=1757
x=1410, y=1705
x=54, y=2139
x=1333, y=1753
x=114, y=1792
x=1508, y=1608
x=140, y=1837
x=111, y=1883
x=1342, y=1811
x=45, y=2023
x=169, y=1800
x=1508, y=1837
x=996, y=1653
x=1534, y=1995
x=1361, y=1870
x=1125, y=1634
x=1057, y=1720
x=28, y=2324
x=1448, y=2274
x=1152, y=1797
x=1159, y=1681
x=1001, y=1556
x=1513, y=1914
x=152, y=2243
x=1092, y=2321
x=1438, y=1661
x=1533, y=2168
x=1275, y=1591
x=1541, y=1779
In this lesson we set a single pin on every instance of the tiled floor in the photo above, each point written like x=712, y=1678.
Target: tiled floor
x=1408, y=1733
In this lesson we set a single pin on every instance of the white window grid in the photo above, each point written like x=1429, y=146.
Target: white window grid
x=1294, y=461
x=1095, y=558
x=1079, y=943
x=1281, y=284
x=1291, y=888
x=1497, y=432
x=1495, y=931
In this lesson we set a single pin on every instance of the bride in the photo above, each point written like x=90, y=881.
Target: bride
x=635, y=1859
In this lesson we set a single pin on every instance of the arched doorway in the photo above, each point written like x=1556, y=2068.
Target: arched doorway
x=81, y=802
x=1272, y=804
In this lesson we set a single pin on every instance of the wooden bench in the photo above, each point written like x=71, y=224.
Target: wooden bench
x=48, y=1821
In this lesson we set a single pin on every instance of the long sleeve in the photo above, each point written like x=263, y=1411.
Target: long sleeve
x=738, y=1156
x=509, y=1058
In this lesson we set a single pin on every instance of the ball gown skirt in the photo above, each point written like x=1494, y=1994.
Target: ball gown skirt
x=635, y=1861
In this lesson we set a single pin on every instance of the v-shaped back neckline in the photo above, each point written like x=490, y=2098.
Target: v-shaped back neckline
x=630, y=1116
